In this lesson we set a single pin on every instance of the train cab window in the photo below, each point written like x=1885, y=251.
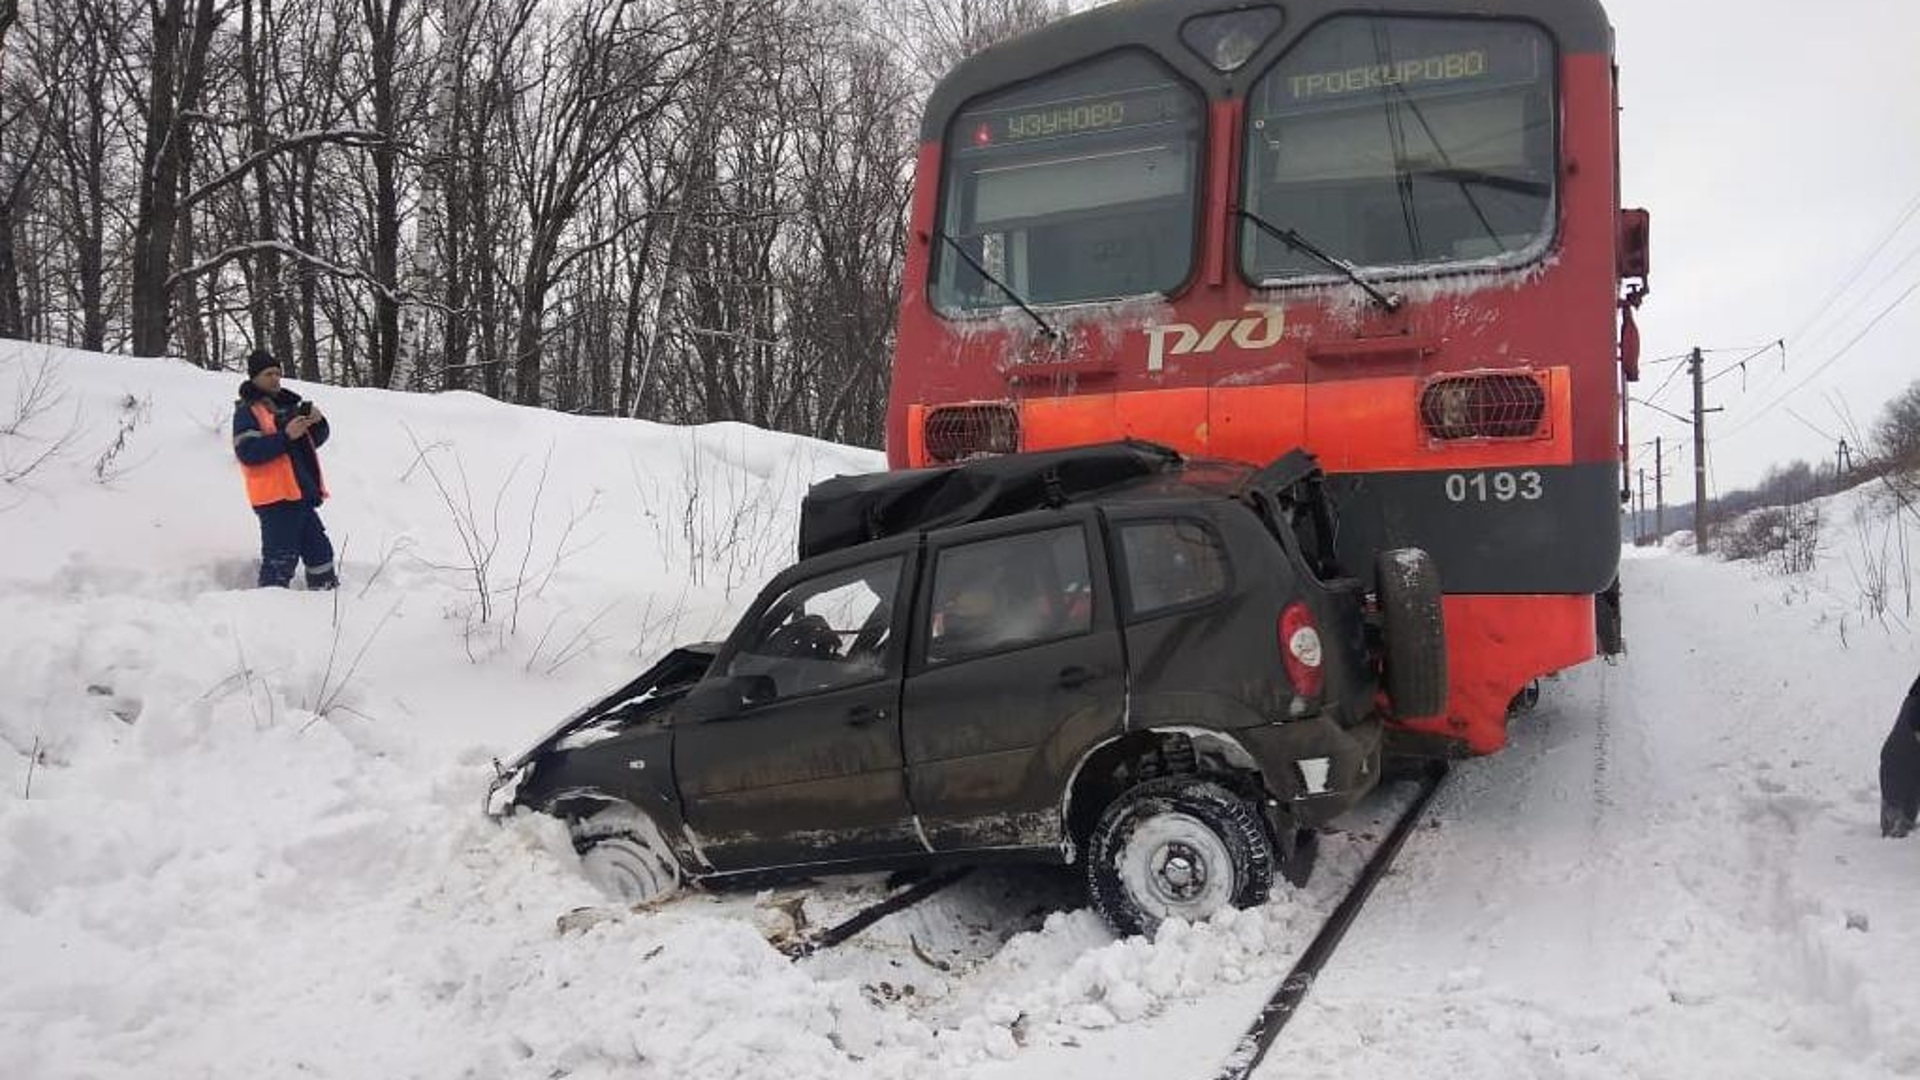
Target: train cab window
x=1079, y=186
x=1402, y=143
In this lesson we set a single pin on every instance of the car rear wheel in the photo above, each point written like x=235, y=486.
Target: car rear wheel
x=628, y=869
x=1415, y=630
x=1178, y=847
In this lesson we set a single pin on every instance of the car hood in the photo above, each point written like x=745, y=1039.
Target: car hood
x=675, y=662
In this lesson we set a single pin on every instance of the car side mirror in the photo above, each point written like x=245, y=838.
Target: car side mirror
x=729, y=695
x=756, y=689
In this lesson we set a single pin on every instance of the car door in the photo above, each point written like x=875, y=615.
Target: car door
x=788, y=753
x=1015, y=671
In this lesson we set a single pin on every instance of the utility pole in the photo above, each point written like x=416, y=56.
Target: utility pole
x=1700, y=411
x=1659, y=493
x=1640, y=519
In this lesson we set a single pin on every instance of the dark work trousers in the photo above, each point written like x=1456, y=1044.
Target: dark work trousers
x=1900, y=771
x=290, y=534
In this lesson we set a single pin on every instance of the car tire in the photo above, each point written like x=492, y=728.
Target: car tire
x=1177, y=847
x=1415, y=632
x=628, y=869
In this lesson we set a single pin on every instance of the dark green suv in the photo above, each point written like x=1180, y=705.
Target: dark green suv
x=1108, y=655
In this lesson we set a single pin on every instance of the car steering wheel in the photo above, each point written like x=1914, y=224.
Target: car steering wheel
x=868, y=640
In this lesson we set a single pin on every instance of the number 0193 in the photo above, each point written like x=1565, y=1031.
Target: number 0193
x=1480, y=487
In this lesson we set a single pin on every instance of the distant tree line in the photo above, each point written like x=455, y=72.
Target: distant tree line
x=685, y=210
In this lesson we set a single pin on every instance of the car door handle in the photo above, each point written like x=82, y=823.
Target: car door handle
x=1075, y=676
x=862, y=715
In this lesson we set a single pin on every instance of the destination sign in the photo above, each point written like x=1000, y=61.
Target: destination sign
x=1078, y=116
x=1067, y=119
x=1446, y=67
x=1498, y=60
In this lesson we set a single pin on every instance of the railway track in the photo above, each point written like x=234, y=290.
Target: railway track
x=1285, y=1002
x=827, y=937
x=1252, y=1047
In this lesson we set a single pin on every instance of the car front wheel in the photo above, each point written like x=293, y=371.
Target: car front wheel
x=626, y=868
x=1177, y=848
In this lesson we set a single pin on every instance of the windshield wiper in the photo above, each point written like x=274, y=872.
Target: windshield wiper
x=1291, y=238
x=1045, y=327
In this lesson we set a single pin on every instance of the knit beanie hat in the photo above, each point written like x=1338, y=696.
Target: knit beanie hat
x=260, y=360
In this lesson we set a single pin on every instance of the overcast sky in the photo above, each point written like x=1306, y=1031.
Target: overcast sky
x=1776, y=145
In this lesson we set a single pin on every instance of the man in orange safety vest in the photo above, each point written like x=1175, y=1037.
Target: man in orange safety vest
x=277, y=437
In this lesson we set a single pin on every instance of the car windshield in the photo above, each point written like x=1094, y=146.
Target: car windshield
x=1402, y=142
x=1074, y=187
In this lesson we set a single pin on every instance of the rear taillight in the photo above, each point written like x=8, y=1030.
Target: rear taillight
x=1300, y=648
x=1485, y=405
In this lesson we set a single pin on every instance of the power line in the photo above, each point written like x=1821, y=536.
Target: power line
x=1863, y=295
x=1860, y=267
x=1906, y=215
x=1810, y=425
x=1828, y=362
x=1751, y=351
x=1661, y=409
x=1756, y=349
x=1671, y=375
x=1741, y=364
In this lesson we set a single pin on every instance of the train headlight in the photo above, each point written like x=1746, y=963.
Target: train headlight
x=959, y=432
x=1485, y=405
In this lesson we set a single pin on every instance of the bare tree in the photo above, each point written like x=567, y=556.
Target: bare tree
x=589, y=207
x=89, y=123
x=385, y=22
x=945, y=32
x=180, y=38
x=1898, y=431
x=604, y=73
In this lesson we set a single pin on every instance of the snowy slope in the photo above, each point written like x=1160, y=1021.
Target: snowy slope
x=254, y=848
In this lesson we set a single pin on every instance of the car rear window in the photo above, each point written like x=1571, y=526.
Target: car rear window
x=1171, y=564
x=993, y=595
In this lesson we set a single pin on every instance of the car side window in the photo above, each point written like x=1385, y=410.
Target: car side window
x=1170, y=564
x=1010, y=591
x=824, y=633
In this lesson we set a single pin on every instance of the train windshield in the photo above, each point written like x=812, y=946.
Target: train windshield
x=1402, y=142
x=1076, y=187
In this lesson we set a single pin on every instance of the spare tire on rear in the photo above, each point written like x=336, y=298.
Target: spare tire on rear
x=1415, y=632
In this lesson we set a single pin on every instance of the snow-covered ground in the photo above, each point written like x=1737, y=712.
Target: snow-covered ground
x=253, y=844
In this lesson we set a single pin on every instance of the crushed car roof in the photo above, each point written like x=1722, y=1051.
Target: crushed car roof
x=849, y=510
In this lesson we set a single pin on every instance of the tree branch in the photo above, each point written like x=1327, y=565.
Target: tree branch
x=355, y=137
x=282, y=247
